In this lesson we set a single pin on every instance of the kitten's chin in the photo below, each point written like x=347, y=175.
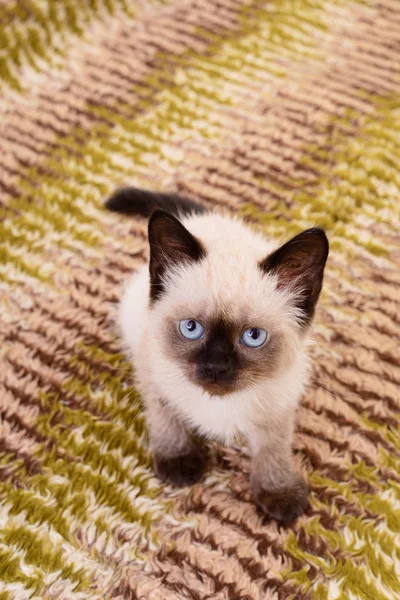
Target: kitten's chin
x=218, y=388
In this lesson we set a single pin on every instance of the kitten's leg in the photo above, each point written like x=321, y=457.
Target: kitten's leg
x=178, y=457
x=278, y=489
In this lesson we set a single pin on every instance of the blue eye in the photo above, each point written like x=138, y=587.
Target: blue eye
x=254, y=337
x=191, y=329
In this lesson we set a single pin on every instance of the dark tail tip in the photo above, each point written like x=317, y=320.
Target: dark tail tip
x=134, y=201
x=130, y=201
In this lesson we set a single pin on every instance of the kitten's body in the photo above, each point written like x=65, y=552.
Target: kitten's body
x=227, y=284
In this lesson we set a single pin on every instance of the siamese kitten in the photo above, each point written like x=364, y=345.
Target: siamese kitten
x=216, y=325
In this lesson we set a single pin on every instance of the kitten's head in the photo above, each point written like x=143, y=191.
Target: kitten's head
x=231, y=311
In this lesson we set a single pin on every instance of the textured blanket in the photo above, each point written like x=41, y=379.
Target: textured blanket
x=286, y=111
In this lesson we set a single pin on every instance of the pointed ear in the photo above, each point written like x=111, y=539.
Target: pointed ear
x=299, y=265
x=170, y=244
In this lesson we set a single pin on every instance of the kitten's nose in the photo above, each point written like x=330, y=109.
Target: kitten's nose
x=216, y=371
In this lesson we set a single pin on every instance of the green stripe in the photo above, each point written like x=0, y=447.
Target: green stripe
x=35, y=30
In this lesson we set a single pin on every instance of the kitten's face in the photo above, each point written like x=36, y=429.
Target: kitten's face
x=229, y=319
x=221, y=355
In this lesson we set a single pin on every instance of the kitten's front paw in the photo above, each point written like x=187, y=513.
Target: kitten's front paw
x=180, y=470
x=286, y=504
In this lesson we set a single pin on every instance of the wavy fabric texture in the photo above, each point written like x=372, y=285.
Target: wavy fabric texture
x=287, y=111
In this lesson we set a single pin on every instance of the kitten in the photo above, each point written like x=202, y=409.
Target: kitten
x=217, y=327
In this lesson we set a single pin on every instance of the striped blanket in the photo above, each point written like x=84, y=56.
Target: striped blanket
x=286, y=111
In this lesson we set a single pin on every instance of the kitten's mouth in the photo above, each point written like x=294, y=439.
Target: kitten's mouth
x=217, y=388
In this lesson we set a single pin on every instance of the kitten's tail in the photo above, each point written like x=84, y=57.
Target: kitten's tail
x=134, y=201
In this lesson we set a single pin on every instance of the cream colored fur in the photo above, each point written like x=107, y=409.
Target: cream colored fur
x=226, y=282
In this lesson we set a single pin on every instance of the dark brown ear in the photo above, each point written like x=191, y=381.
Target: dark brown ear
x=300, y=265
x=170, y=244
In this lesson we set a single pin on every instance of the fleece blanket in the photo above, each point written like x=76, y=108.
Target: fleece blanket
x=284, y=111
